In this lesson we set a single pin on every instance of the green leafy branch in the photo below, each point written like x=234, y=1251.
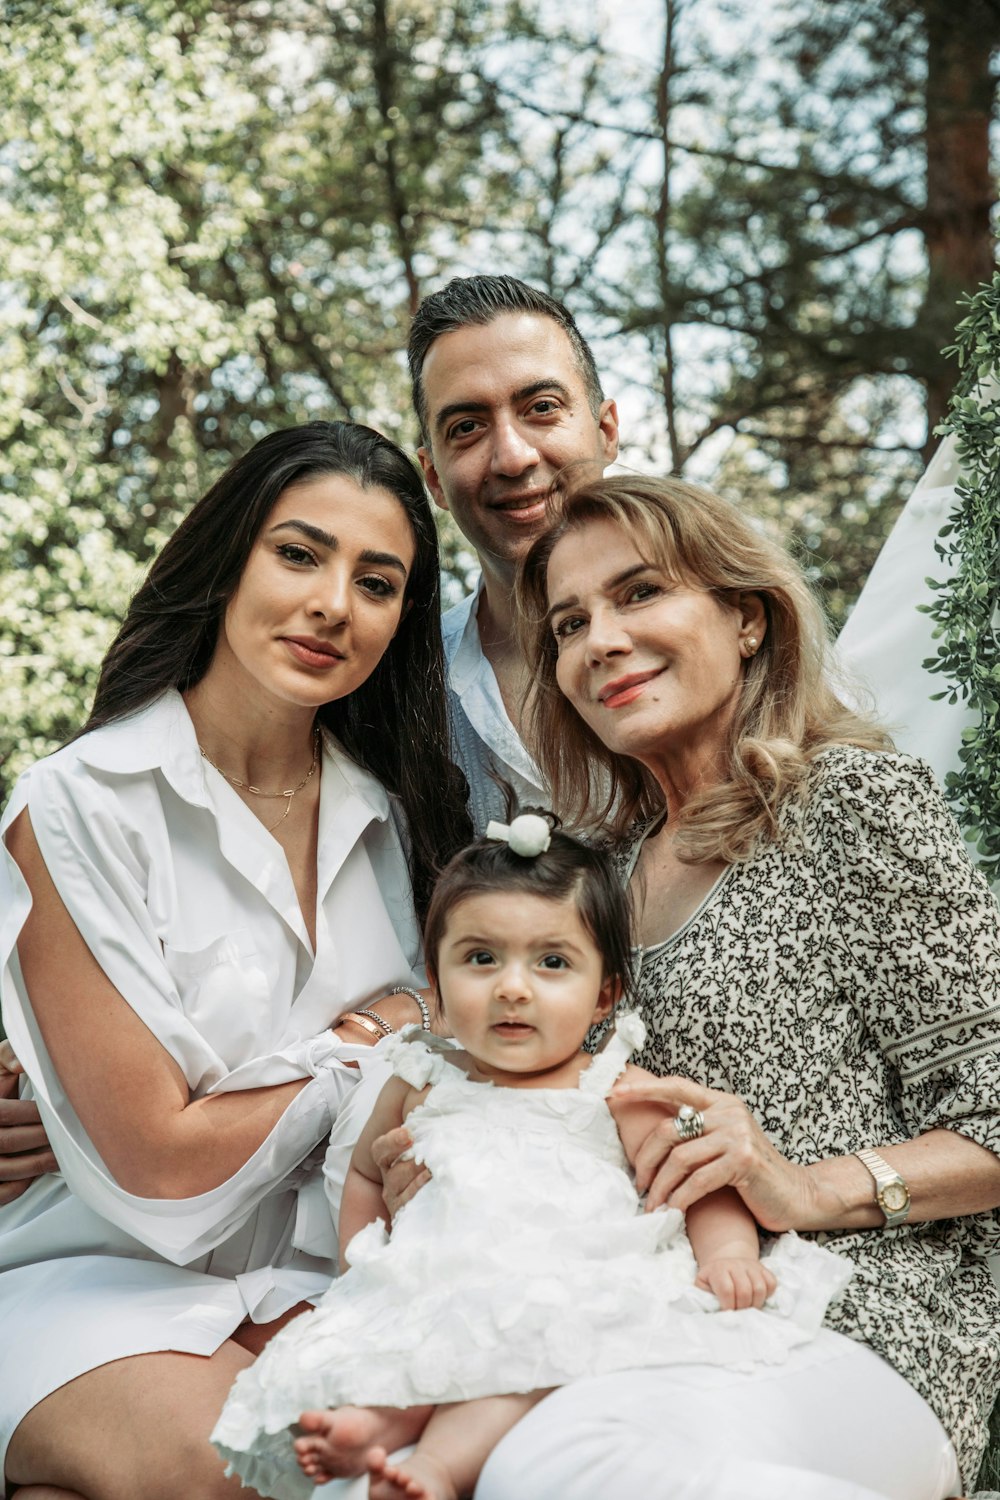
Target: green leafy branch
x=967, y=606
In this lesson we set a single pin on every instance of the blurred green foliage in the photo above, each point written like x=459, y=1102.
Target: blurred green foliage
x=219, y=217
x=966, y=609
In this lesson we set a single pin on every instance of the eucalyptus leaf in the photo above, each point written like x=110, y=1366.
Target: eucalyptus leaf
x=965, y=603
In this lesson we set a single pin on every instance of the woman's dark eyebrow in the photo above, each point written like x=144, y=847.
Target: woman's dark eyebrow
x=327, y=539
x=314, y=533
x=606, y=586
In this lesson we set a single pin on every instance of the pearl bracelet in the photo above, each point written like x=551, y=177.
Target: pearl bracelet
x=419, y=1001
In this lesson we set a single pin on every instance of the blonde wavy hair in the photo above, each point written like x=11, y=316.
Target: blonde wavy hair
x=787, y=712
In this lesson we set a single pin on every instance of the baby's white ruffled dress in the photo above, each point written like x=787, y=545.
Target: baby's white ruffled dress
x=526, y=1262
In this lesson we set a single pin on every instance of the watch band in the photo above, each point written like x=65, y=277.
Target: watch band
x=891, y=1193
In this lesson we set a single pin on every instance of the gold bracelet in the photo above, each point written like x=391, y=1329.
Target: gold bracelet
x=359, y=1020
x=373, y=1015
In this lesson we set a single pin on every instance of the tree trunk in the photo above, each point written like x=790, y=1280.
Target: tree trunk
x=961, y=35
x=383, y=70
x=175, y=395
x=662, y=227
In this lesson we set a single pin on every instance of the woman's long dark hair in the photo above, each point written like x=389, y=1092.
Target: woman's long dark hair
x=395, y=723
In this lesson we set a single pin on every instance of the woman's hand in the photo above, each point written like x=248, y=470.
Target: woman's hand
x=402, y=1177
x=24, y=1146
x=731, y=1151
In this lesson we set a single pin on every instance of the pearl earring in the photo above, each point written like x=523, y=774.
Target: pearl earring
x=751, y=646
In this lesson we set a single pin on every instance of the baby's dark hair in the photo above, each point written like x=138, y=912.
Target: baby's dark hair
x=568, y=868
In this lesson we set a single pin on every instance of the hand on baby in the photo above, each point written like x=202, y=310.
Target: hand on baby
x=737, y=1282
x=24, y=1147
x=732, y=1150
x=402, y=1177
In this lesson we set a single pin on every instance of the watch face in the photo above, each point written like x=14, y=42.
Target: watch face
x=894, y=1197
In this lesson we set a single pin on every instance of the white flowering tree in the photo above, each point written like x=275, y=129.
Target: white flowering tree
x=98, y=314
x=210, y=230
x=218, y=216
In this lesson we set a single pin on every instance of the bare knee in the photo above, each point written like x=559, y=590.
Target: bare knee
x=196, y=1472
x=43, y=1492
x=137, y=1426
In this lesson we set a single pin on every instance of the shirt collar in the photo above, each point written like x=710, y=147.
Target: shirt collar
x=462, y=647
x=162, y=737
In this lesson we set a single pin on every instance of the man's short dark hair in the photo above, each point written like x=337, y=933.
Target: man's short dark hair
x=471, y=301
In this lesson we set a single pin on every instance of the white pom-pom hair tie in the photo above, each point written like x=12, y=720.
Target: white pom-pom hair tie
x=529, y=835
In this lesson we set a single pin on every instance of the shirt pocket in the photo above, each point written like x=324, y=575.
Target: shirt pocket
x=225, y=993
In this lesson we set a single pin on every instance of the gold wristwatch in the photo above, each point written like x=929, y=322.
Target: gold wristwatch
x=891, y=1193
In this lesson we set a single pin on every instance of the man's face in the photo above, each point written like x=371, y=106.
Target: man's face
x=506, y=410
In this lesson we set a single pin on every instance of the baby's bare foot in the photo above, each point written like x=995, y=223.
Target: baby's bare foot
x=335, y=1444
x=419, y=1477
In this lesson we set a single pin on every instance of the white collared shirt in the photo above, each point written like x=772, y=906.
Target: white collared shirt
x=482, y=736
x=188, y=905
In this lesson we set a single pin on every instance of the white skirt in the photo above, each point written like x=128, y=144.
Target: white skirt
x=61, y=1318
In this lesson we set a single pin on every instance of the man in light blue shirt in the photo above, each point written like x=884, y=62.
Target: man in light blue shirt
x=507, y=393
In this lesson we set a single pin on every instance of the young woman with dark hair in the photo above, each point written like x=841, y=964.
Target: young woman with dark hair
x=394, y=723
x=211, y=897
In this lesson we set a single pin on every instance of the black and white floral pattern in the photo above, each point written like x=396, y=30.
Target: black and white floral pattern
x=845, y=982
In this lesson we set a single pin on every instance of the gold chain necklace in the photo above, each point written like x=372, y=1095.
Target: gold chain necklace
x=255, y=791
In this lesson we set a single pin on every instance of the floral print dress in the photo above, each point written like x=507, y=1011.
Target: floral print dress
x=845, y=982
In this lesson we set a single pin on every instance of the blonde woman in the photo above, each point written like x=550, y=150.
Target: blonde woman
x=816, y=948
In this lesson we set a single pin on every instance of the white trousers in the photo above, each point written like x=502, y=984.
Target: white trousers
x=834, y=1422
